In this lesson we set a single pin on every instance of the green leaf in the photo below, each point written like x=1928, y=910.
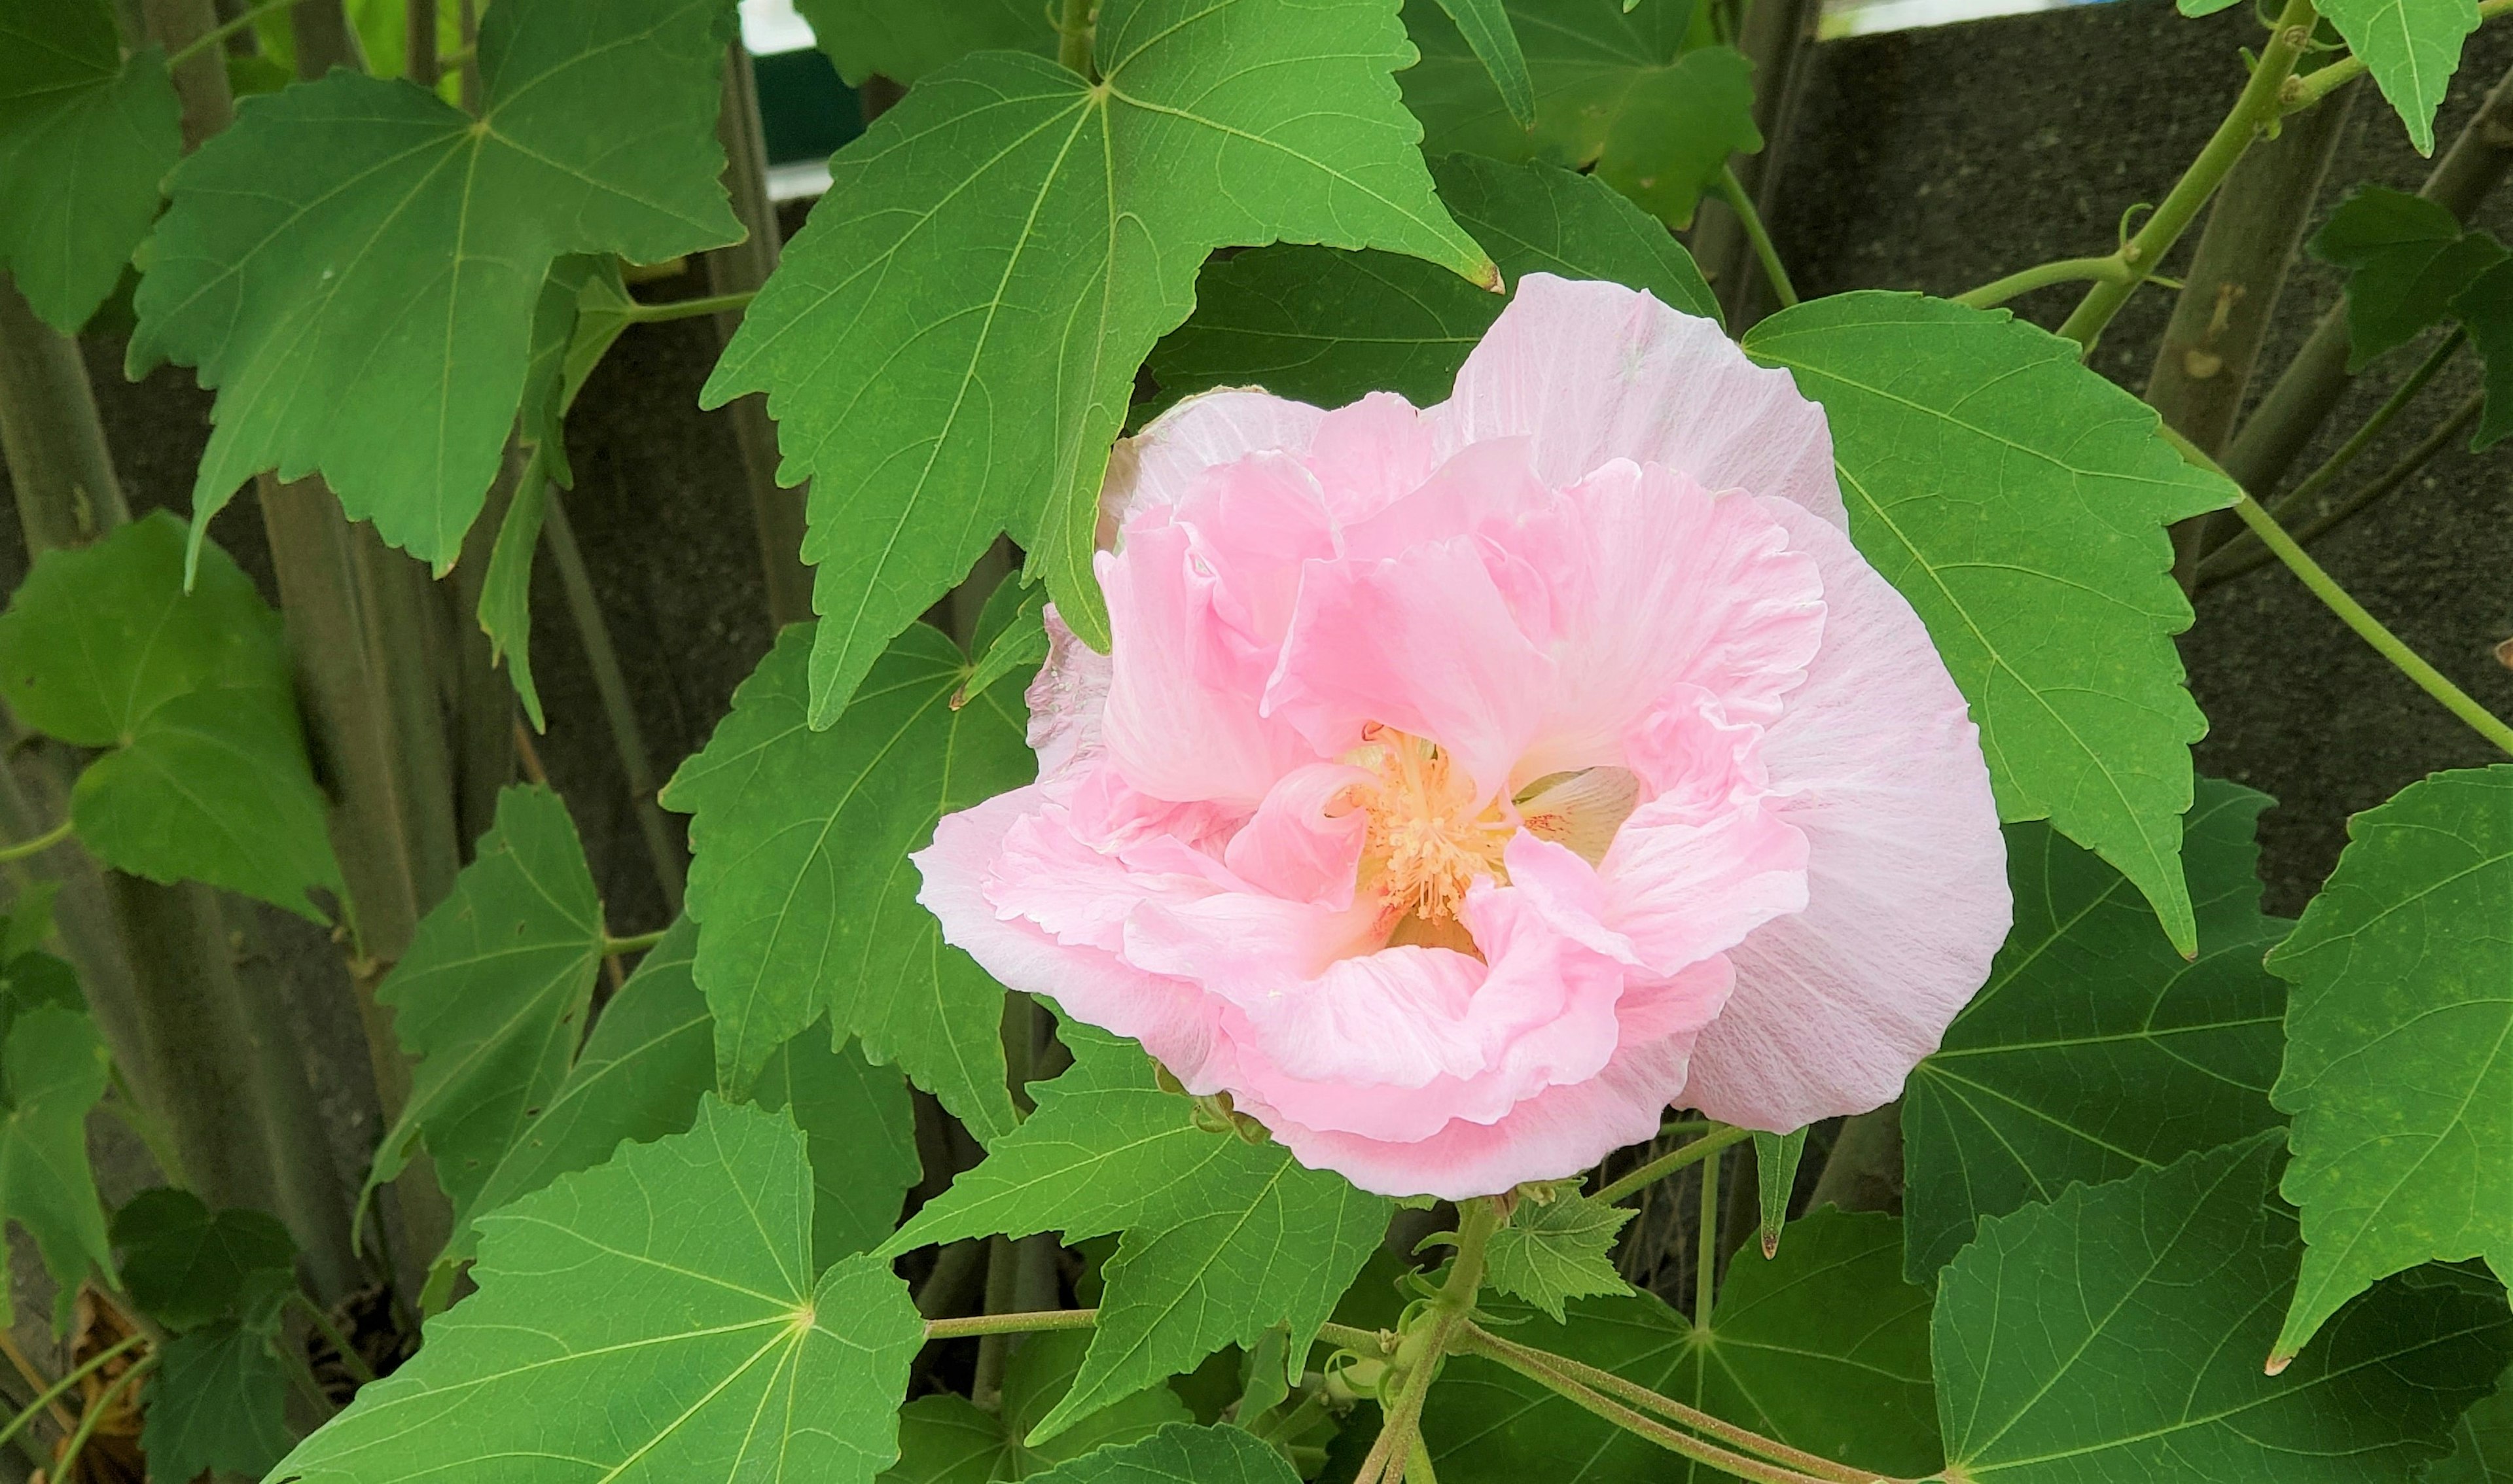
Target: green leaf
x=1223, y=1239
x=1775, y=1179
x=1014, y=642
x=947, y=1439
x=186, y=1266
x=1616, y=91
x=1327, y=328
x=2116, y=1334
x=217, y=1401
x=51, y=1070
x=2482, y=1443
x=1823, y=1348
x=85, y=137
x=2094, y=1051
x=862, y=1128
x=2412, y=47
x=2485, y=309
x=2406, y=259
x=801, y=877
x=903, y=40
x=1556, y=1250
x=29, y=922
x=491, y=997
x=949, y=345
x=1484, y=26
x=1180, y=1452
x=2019, y=502
x=214, y=785
x=98, y=636
x=2399, y=1058
x=354, y=244
x=650, y=1057
x=651, y=1319
x=506, y=590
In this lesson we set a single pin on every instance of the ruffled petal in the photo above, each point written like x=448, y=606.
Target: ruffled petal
x=1877, y=762
x=1066, y=699
x=1251, y=525
x=1159, y=465
x=1367, y=455
x=1296, y=846
x=1595, y=372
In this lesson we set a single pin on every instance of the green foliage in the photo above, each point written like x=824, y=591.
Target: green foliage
x=801, y=877
x=861, y=1130
x=1775, y=1179
x=654, y=1318
x=2116, y=1334
x=186, y=1266
x=2406, y=259
x=1327, y=328
x=949, y=345
x=1625, y=90
x=905, y=41
x=1823, y=1348
x=2483, y=1443
x=1558, y=1249
x=1011, y=638
x=53, y=1069
x=947, y=1439
x=491, y=998
x=2095, y=1051
x=85, y=136
x=1223, y=1239
x=2399, y=1062
x=219, y=1401
x=2412, y=47
x=1485, y=28
x=2486, y=310
x=2019, y=502
x=1180, y=1452
x=102, y=647
x=355, y=244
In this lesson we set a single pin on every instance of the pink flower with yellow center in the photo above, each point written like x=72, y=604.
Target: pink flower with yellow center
x=1465, y=785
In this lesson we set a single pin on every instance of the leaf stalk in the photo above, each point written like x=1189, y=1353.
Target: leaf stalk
x=1665, y=1165
x=37, y=845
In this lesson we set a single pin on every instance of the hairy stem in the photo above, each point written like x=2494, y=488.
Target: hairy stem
x=2245, y=557
x=1667, y=1163
x=2023, y=281
x=1705, y=1266
x=2254, y=110
x=1011, y=1324
x=690, y=308
x=223, y=31
x=1741, y=201
x=350, y=1360
x=1073, y=38
x=995, y=1346
x=1419, y=1354
x=2351, y=613
x=41, y=843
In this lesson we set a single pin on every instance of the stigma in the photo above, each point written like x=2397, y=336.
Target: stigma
x=1431, y=836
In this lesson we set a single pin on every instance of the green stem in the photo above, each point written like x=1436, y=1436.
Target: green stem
x=61, y=1388
x=1667, y=1163
x=67, y=1467
x=2356, y=442
x=1073, y=39
x=1705, y=1266
x=2314, y=86
x=685, y=309
x=1683, y=1444
x=350, y=1360
x=1419, y=1353
x=2351, y=613
x=636, y=942
x=1511, y=1353
x=1011, y=1324
x=2235, y=558
x=1418, y=1463
x=2256, y=110
x=222, y=32
x=1360, y=1341
x=37, y=845
x=1998, y=291
x=1733, y=191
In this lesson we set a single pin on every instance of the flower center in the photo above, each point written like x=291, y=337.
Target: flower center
x=1428, y=837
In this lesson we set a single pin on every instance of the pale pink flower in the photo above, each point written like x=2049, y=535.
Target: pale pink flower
x=1467, y=784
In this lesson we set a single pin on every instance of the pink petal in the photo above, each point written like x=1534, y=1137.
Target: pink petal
x=1294, y=847
x=1159, y=465
x=1596, y=372
x=1428, y=645
x=1877, y=762
x=1251, y=525
x=1370, y=454
x=1066, y=699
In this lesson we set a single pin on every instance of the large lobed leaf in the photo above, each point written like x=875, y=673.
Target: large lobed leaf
x=2095, y=1051
x=1223, y=1239
x=2399, y=1062
x=2407, y=258
x=356, y=244
x=53, y=1071
x=2412, y=47
x=208, y=781
x=85, y=136
x=2116, y=1335
x=651, y=1319
x=2019, y=502
x=1823, y=1348
x=906, y=41
x=949, y=345
x=1328, y=328
x=801, y=879
x=1622, y=90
